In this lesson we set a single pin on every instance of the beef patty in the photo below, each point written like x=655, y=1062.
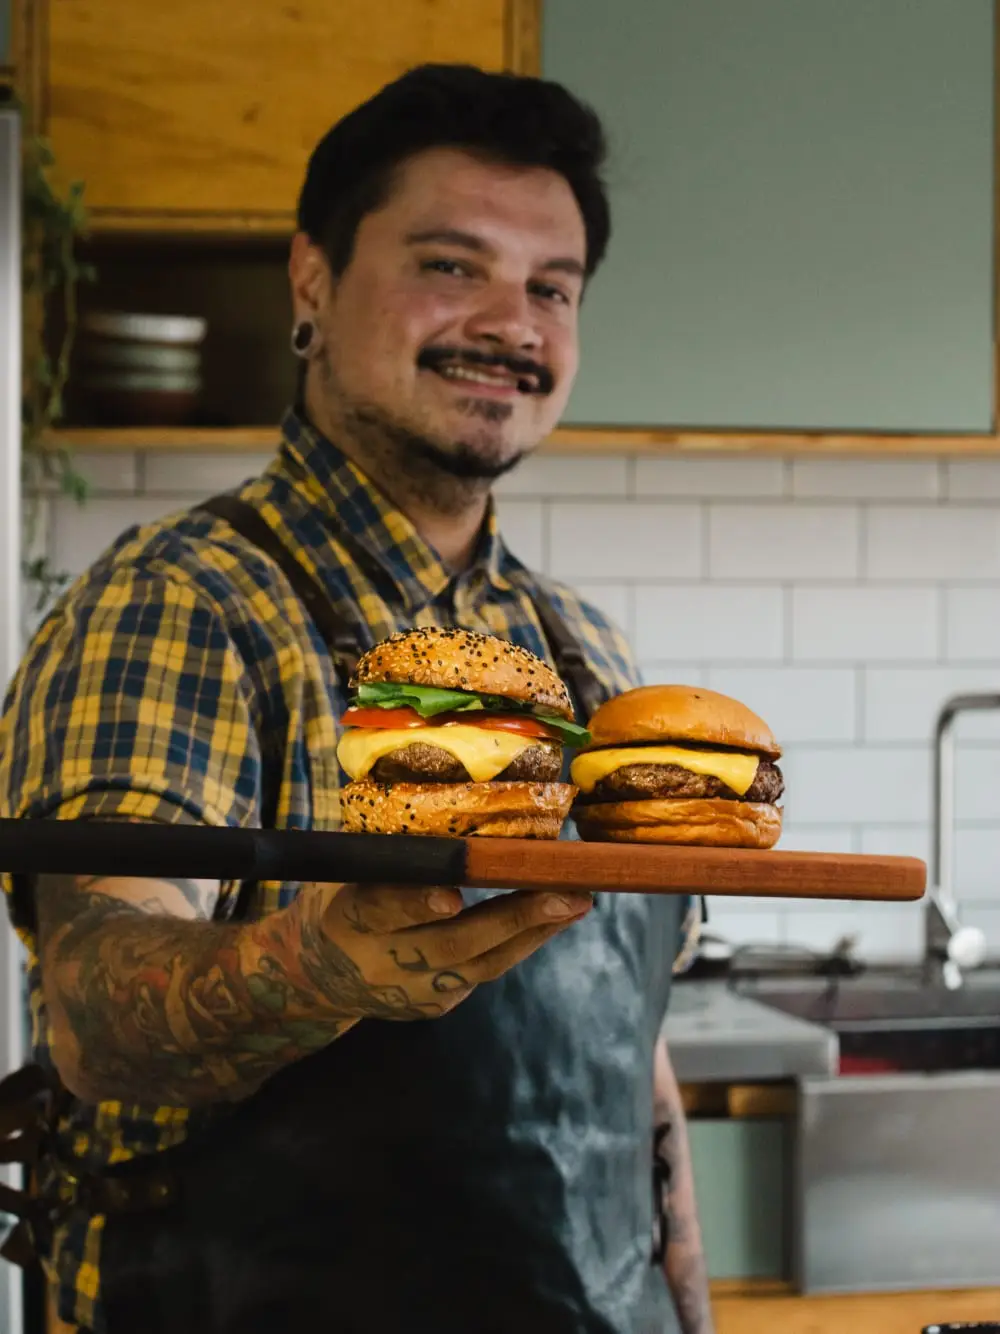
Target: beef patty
x=641, y=782
x=423, y=763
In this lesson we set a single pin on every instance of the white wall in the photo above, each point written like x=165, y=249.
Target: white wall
x=844, y=599
x=12, y=1033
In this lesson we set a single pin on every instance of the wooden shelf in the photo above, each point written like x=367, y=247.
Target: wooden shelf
x=172, y=439
x=567, y=440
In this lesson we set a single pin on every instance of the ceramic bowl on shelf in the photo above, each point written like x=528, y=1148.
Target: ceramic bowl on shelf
x=110, y=354
x=124, y=326
x=142, y=398
x=138, y=369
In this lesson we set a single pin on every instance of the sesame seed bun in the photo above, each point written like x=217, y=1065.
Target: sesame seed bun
x=459, y=810
x=465, y=660
x=678, y=713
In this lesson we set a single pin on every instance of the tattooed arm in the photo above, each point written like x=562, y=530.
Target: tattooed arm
x=684, y=1258
x=151, y=1001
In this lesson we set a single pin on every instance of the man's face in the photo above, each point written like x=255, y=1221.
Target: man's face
x=454, y=326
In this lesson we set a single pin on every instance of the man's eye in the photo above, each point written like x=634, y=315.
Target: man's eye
x=450, y=266
x=549, y=293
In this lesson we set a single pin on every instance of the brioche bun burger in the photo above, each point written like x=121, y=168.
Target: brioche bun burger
x=455, y=733
x=678, y=764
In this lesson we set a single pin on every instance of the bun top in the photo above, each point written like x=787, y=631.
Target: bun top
x=680, y=713
x=465, y=660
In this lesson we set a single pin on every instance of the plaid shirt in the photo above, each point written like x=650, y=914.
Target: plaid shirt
x=181, y=680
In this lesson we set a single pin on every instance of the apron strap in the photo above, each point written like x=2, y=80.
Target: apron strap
x=571, y=661
x=342, y=637
x=339, y=634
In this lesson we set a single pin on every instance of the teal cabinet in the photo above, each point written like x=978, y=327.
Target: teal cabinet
x=802, y=195
x=741, y=1171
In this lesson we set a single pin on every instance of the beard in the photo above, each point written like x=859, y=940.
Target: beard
x=444, y=473
x=478, y=456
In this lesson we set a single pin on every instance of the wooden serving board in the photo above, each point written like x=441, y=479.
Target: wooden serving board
x=93, y=847
x=648, y=869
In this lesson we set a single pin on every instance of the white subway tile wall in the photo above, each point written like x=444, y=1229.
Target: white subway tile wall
x=843, y=598
x=710, y=622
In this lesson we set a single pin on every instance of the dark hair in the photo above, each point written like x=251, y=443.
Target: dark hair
x=508, y=118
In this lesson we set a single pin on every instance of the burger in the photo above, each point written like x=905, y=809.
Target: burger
x=678, y=764
x=451, y=732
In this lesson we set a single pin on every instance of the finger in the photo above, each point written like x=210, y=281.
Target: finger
x=383, y=909
x=499, y=960
x=490, y=924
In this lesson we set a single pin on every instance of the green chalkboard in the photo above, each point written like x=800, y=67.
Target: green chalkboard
x=803, y=212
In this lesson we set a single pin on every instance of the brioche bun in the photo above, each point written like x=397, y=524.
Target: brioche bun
x=702, y=822
x=677, y=713
x=458, y=810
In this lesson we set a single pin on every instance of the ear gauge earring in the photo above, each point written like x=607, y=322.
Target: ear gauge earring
x=303, y=338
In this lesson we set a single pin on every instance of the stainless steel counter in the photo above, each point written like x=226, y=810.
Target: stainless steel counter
x=714, y=1034
x=893, y=1178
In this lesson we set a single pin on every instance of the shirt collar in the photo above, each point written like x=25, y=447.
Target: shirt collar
x=336, y=487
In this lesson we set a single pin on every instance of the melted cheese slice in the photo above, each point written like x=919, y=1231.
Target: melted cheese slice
x=736, y=771
x=484, y=752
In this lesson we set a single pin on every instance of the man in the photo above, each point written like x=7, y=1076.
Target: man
x=291, y=1155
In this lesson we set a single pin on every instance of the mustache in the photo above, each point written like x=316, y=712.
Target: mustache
x=532, y=376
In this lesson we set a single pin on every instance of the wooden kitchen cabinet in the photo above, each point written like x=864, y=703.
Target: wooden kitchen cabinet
x=198, y=116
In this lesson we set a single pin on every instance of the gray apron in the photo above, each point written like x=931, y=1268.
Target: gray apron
x=488, y=1172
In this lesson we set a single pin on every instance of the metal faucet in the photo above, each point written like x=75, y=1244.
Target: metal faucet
x=949, y=946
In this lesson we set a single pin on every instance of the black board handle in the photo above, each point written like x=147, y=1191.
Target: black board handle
x=117, y=848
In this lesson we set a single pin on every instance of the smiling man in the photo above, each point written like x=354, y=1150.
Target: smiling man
x=274, y=1120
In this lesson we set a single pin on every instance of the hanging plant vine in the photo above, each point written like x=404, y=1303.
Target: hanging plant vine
x=52, y=225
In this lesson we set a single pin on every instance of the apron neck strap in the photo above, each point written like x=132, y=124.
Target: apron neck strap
x=343, y=636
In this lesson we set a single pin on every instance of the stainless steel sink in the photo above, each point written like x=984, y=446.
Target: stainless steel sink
x=898, y=1019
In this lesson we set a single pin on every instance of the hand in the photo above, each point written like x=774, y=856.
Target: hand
x=416, y=953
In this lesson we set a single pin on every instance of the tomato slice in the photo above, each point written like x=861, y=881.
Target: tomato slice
x=506, y=722
x=407, y=717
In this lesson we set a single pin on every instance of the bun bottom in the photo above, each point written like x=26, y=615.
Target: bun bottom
x=456, y=810
x=705, y=822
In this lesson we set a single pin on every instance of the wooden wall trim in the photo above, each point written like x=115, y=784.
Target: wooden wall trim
x=663, y=440
x=571, y=441
x=524, y=36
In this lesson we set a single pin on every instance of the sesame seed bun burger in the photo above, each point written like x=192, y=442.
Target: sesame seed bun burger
x=450, y=732
x=678, y=764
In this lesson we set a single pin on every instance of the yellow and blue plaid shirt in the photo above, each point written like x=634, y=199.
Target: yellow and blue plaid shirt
x=181, y=680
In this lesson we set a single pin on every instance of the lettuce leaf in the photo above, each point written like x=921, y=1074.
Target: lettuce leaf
x=571, y=734
x=431, y=700
x=426, y=700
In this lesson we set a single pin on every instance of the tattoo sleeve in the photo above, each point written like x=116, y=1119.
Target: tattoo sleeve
x=682, y=1252
x=150, y=1002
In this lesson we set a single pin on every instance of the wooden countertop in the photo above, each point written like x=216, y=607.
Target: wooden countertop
x=774, y=1309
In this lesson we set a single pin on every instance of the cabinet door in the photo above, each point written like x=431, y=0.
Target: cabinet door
x=802, y=197
x=200, y=114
